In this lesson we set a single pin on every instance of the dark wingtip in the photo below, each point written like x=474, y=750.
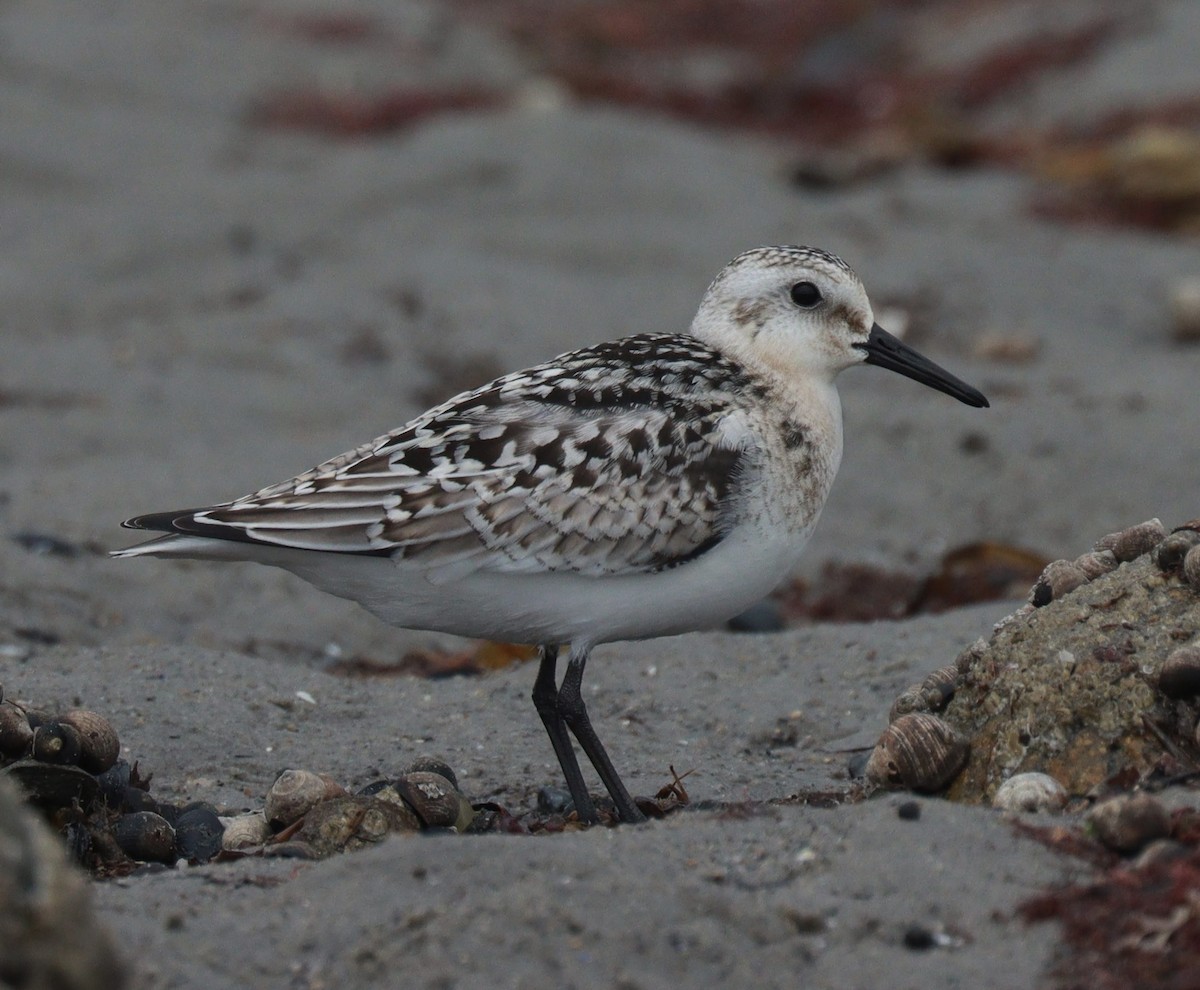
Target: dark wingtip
x=161, y=522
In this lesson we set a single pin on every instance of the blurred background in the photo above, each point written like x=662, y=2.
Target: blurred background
x=240, y=237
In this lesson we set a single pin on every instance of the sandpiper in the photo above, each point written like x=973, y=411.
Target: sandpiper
x=644, y=487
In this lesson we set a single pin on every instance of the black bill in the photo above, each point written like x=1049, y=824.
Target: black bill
x=886, y=351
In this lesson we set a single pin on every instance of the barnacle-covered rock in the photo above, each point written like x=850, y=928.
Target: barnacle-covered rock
x=918, y=752
x=1066, y=689
x=1030, y=793
x=1128, y=822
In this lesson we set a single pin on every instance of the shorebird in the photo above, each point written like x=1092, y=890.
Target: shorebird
x=649, y=486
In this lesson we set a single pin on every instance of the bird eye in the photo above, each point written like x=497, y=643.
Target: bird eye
x=805, y=295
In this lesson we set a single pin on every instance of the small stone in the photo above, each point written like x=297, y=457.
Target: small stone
x=1128, y=822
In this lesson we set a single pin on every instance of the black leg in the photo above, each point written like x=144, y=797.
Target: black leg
x=572, y=710
x=546, y=701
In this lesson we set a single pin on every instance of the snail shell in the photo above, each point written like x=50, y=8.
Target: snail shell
x=931, y=695
x=56, y=742
x=1059, y=578
x=1170, y=553
x=1179, y=676
x=244, y=831
x=1129, y=821
x=1030, y=792
x=99, y=745
x=918, y=752
x=16, y=734
x=53, y=786
x=198, y=834
x=434, y=799
x=433, y=764
x=1096, y=563
x=1131, y=543
x=294, y=793
x=1191, y=567
x=145, y=836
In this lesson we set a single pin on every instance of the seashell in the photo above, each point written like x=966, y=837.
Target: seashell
x=36, y=716
x=433, y=798
x=1179, y=675
x=99, y=745
x=51, y=786
x=294, y=793
x=245, y=831
x=198, y=834
x=1191, y=567
x=1096, y=563
x=16, y=735
x=145, y=836
x=931, y=695
x=352, y=822
x=1170, y=553
x=1030, y=792
x=942, y=684
x=1161, y=851
x=908, y=701
x=1059, y=578
x=965, y=660
x=56, y=742
x=113, y=782
x=918, y=752
x=1131, y=543
x=1127, y=822
x=433, y=764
